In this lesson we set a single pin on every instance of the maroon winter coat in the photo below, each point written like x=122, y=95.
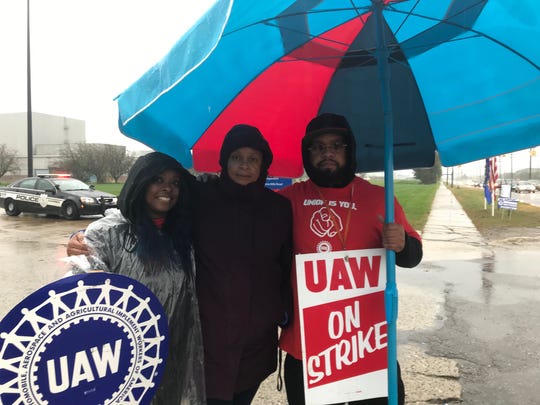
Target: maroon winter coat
x=243, y=254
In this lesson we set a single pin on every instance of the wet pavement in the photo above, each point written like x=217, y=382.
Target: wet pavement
x=31, y=249
x=468, y=325
x=529, y=198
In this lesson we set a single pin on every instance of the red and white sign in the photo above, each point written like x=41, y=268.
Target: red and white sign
x=343, y=325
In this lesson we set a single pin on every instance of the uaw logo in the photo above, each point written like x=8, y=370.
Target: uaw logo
x=325, y=222
x=89, y=339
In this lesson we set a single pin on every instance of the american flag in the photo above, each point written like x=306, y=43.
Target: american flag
x=493, y=173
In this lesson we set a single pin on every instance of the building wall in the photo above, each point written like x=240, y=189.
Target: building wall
x=49, y=135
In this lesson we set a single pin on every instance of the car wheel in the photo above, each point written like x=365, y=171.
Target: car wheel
x=11, y=208
x=69, y=210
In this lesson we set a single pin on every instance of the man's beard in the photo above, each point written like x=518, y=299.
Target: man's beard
x=330, y=178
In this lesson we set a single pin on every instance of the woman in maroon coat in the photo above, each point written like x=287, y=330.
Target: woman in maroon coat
x=243, y=255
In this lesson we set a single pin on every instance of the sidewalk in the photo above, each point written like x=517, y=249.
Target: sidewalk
x=449, y=234
x=449, y=231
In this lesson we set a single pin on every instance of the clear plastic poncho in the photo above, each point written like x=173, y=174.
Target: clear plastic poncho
x=183, y=380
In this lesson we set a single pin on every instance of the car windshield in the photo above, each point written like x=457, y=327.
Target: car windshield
x=70, y=184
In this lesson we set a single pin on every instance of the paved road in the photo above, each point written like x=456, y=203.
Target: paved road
x=529, y=198
x=31, y=252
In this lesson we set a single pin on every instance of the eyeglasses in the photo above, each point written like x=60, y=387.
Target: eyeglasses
x=320, y=148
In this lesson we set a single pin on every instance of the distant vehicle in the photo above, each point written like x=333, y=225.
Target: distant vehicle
x=535, y=183
x=523, y=187
x=55, y=195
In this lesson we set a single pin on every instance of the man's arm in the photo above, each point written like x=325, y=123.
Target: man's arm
x=411, y=254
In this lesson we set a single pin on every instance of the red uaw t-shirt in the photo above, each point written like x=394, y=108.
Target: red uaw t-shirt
x=331, y=219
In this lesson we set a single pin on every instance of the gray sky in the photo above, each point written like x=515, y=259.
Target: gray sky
x=86, y=52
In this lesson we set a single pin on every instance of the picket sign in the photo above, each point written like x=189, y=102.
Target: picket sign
x=343, y=325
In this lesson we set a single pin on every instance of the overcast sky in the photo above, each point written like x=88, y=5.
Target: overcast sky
x=85, y=52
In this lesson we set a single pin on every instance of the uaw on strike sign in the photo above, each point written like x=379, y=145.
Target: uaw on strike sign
x=343, y=325
x=89, y=339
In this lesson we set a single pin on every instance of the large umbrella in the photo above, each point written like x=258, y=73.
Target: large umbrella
x=458, y=76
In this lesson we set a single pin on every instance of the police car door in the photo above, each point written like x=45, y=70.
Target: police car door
x=44, y=191
x=25, y=195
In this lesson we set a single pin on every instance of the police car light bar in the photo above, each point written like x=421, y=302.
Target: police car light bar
x=55, y=175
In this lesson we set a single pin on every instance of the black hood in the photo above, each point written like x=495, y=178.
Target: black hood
x=328, y=123
x=241, y=136
x=145, y=168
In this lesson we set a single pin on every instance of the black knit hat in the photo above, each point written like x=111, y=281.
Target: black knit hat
x=241, y=136
x=328, y=123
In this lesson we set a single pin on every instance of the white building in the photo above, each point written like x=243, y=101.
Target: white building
x=50, y=133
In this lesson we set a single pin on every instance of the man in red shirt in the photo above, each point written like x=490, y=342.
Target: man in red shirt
x=336, y=210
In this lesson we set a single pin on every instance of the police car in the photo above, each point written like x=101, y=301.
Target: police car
x=55, y=195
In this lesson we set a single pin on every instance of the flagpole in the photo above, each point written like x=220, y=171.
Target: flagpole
x=493, y=177
x=486, y=187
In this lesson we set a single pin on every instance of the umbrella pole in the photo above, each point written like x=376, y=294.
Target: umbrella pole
x=391, y=293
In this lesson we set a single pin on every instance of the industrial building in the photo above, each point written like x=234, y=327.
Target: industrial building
x=50, y=133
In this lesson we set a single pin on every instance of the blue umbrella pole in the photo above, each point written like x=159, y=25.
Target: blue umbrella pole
x=391, y=293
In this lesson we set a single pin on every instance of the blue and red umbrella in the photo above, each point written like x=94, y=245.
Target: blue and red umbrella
x=460, y=77
x=463, y=78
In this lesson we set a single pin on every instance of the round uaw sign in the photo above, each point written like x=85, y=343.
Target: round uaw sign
x=95, y=338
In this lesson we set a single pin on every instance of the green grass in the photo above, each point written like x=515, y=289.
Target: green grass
x=472, y=201
x=113, y=188
x=415, y=198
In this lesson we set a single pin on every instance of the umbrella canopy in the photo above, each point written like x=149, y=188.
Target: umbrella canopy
x=464, y=79
x=460, y=77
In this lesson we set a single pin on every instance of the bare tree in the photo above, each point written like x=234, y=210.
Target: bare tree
x=8, y=160
x=74, y=160
x=85, y=160
x=99, y=160
x=118, y=161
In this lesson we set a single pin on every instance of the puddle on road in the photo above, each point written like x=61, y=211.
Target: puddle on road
x=501, y=277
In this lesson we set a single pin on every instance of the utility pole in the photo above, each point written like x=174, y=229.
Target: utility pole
x=30, y=149
x=511, y=173
x=532, y=152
